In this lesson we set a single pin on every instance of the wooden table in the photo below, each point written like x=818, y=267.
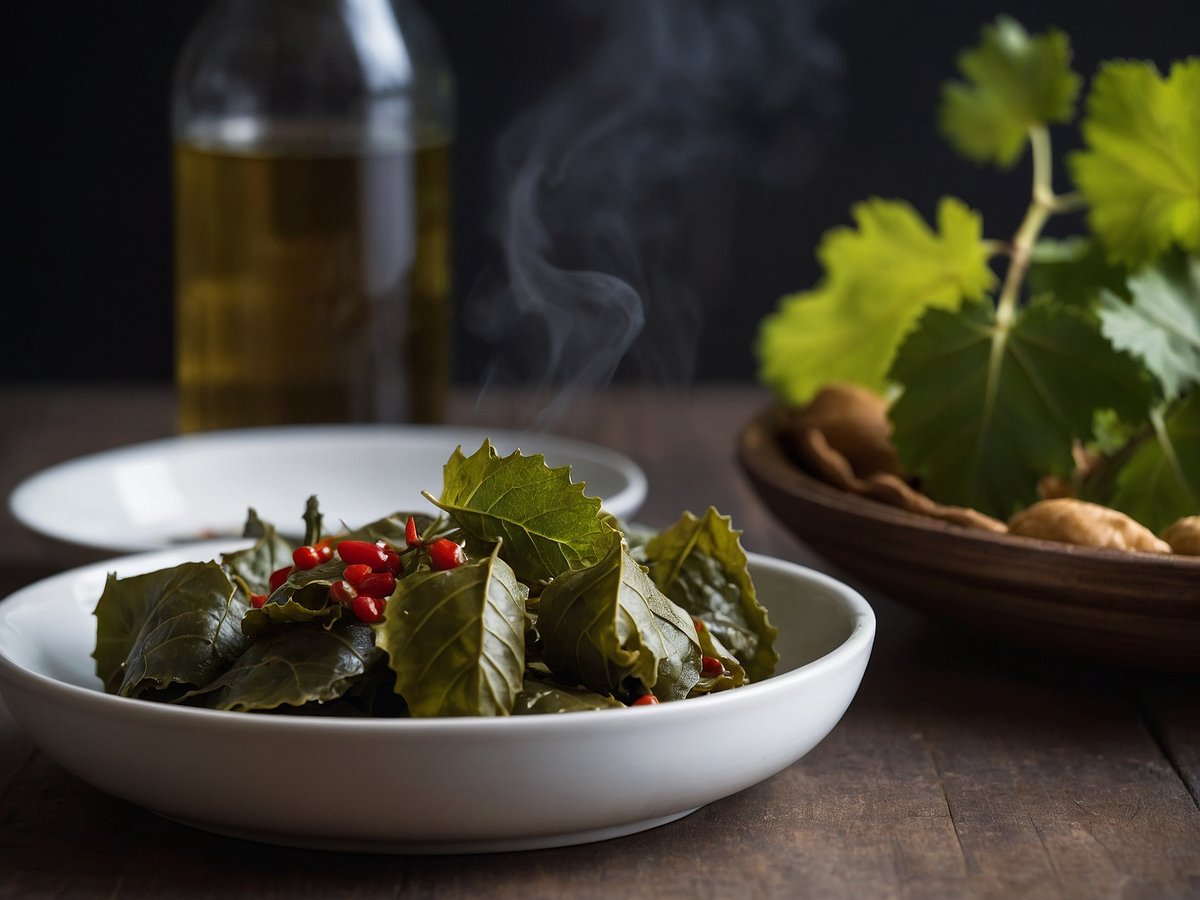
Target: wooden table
x=963, y=768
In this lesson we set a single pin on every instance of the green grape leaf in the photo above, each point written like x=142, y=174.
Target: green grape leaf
x=1074, y=272
x=1161, y=326
x=541, y=696
x=176, y=626
x=544, y=522
x=1014, y=82
x=290, y=667
x=1140, y=172
x=879, y=279
x=986, y=411
x=456, y=639
x=733, y=674
x=255, y=564
x=608, y=622
x=1161, y=480
x=304, y=597
x=700, y=564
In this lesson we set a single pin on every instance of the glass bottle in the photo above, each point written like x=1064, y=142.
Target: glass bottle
x=312, y=214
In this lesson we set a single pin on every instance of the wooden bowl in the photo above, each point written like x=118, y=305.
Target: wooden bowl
x=1123, y=608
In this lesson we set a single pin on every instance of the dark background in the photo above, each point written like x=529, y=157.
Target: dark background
x=88, y=291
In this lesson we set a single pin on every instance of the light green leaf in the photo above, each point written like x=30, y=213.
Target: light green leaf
x=1161, y=327
x=292, y=666
x=1014, y=82
x=606, y=623
x=733, y=674
x=544, y=522
x=1161, y=480
x=986, y=412
x=879, y=279
x=1140, y=172
x=456, y=639
x=700, y=564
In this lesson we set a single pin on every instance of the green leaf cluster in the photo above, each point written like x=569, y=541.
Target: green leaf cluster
x=1000, y=380
x=555, y=610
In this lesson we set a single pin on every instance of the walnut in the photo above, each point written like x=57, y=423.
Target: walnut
x=1087, y=524
x=854, y=421
x=1184, y=535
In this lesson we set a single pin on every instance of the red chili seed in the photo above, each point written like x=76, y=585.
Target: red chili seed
x=306, y=557
x=343, y=592
x=410, y=532
x=645, y=700
x=380, y=584
x=356, y=573
x=363, y=552
x=711, y=667
x=278, y=577
x=445, y=554
x=368, y=609
x=257, y=600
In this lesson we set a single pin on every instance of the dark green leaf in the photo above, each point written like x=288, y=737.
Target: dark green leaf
x=1074, y=272
x=545, y=523
x=606, y=623
x=456, y=639
x=987, y=411
x=304, y=597
x=254, y=565
x=700, y=564
x=173, y=626
x=293, y=666
x=1161, y=480
x=539, y=696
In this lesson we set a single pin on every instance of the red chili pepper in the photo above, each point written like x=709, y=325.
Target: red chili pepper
x=380, y=584
x=356, y=573
x=410, y=533
x=278, y=577
x=645, y=700
x=711, y=667
x=325, y=548
x=394, y=564
x=343, y=592
x=699, y=623
x=257, y=600
x=445, y=554
x=306, y=557
x=363, y=552
x=368, y=609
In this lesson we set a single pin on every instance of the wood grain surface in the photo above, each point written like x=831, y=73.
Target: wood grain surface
x=966, y=767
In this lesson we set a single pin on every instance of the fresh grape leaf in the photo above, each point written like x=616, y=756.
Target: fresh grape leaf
x=1140, y=172
x=878, y=280
x=173, y=626
x=608, y=622
x=544, y=522
x=1161, y=481
x=456, y=639
x=1074, y=272
x=986, y=411
x=292, y=666
x=700, y=564
x=540, y=696
x=733, y=674
x=304, y=597
x=1161, y=327
x=1014, y=82
x=254, y=565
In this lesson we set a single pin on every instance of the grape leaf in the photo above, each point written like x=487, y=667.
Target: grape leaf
x=1074, y=272
x=733, y=674
x=291, y=667
x=304, y=597
x=1161, y=326
x=608, y=622
x=700, y=564
x=878, y=280
x=544, y=522
x=456, y=639
x=1140, y=172
x=255, y=564
x=173, y=626
x=986, y=412
x=1161, y=481
x=538, y=696
x=1014, y=81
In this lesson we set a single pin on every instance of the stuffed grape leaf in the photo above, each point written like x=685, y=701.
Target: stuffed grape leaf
x=456, y=639
x=700, y=564
x=608, y=622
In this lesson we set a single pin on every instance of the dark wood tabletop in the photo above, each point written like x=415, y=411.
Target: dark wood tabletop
x=963, y=768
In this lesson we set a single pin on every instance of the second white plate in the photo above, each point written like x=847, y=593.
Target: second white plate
x=153, y=495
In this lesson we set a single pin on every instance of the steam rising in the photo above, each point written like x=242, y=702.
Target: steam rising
x=617, y=188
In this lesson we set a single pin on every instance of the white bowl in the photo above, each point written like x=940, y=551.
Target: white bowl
x=178, y=490
x=428, y=785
